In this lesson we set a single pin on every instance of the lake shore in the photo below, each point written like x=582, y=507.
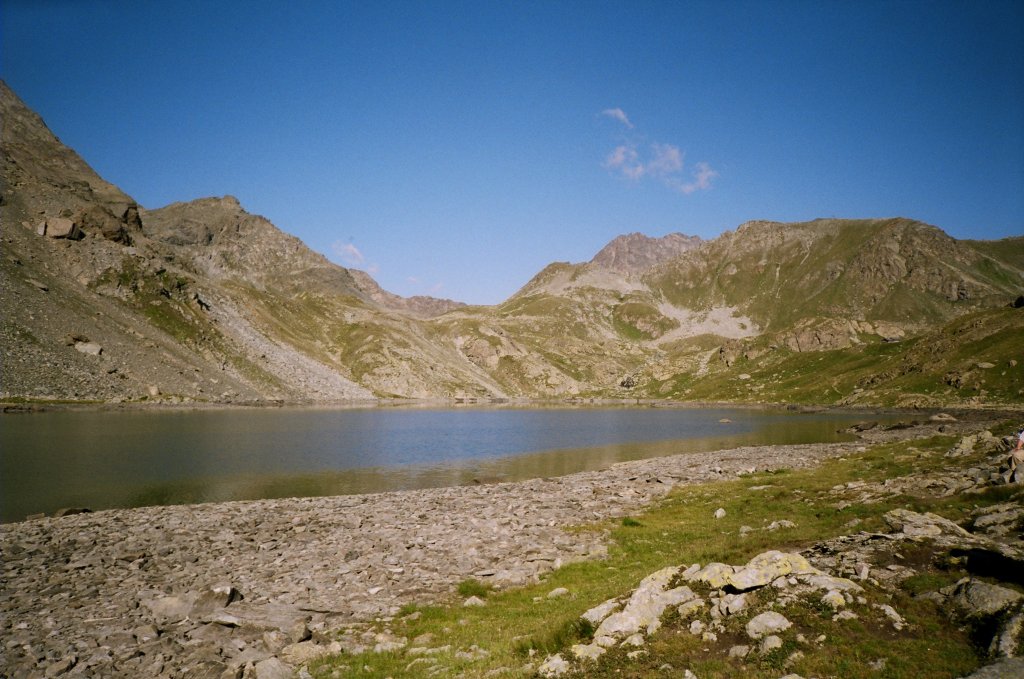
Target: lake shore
x=133, y=592
x=20, y=407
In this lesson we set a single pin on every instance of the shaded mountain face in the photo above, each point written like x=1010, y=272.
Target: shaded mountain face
x=104, y=301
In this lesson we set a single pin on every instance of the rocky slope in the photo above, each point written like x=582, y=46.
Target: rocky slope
x=105, y=300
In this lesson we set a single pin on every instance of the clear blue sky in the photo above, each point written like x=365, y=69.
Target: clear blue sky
x=456, y=148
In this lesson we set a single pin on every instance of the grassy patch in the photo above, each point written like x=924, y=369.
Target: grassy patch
x=473, y=587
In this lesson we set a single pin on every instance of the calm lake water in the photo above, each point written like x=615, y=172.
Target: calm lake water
x=101, y=460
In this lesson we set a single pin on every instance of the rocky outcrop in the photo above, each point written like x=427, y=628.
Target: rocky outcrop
x=635, y=253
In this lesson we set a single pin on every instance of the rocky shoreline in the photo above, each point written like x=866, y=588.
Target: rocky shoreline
x=145, y=592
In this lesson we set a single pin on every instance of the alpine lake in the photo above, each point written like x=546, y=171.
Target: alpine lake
x=104, y=459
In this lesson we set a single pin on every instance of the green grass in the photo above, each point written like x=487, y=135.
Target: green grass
x=473, y=587
x=521, y=626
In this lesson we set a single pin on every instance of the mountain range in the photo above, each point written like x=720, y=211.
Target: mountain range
x=104, y=300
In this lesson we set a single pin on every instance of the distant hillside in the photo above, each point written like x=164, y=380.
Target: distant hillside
x=104, y=300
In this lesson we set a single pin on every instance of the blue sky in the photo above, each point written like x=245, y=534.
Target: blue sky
x=456, y=148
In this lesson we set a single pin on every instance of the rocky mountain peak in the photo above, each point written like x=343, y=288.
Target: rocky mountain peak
x=635, y=253
x=48, y=176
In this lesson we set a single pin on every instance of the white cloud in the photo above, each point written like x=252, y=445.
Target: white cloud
x=350, y=256
x=625, y=160
x=349, y=253
x=618, y=114
x=702, y=177
x=667, y=160
x=664, y=162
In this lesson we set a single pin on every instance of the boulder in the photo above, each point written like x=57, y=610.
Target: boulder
x=715, y=575
x=60, y=227
x=214, y=598
x=168, y=608
x=553, y=666
x=974, y=598
x=1009, y=638
x=915, y=525
x=766, y=567
x=273, y=668
x=1007, y=668
x=767, y=623
x=98, y=219
x=644, y=609
x=598, y=613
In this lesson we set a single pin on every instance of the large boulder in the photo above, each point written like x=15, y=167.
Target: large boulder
x=60, y=227
x=766, y=567
x=98, y=219
x=975, y=598
x=645, y=607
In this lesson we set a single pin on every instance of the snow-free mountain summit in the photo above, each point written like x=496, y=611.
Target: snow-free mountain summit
x=106, y=300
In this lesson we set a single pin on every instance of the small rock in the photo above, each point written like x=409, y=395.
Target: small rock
x=588, y=651
x=770, y=643
x=634, y=640
x=558, y=592
x=90, y=348
x=834, y=599
x=473, y=601
x=719, y=513
x=739, y=651
x=553, y=666
x=781, y=523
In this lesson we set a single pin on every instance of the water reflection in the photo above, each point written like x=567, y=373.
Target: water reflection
x=124, y=459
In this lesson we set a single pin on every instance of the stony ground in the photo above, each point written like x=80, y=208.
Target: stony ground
x=253, y=588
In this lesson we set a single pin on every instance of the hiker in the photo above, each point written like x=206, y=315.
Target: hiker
x=1017, y=460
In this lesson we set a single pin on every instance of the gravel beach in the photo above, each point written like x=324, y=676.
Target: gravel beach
x=145, y=592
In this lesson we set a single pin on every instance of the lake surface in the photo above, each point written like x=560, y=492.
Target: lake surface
x=102, y=459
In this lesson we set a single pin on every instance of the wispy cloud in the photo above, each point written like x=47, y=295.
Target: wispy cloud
x=618, y=114
x=664, y=162
x=348, y=253
x=702, y=177
x=625, y=160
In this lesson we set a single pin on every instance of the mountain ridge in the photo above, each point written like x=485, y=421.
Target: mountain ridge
x=203, y=301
